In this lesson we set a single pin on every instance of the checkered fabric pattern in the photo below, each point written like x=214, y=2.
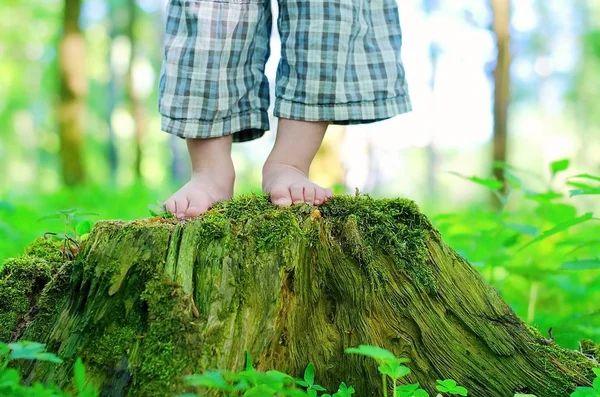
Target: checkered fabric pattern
x=340, y=62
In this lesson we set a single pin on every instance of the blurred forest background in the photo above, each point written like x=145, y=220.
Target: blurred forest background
x=492, y=82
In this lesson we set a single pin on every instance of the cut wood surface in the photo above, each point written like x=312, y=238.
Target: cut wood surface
x=146, y=302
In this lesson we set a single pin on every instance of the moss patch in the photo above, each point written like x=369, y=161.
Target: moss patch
x=568, y=368
x=394, y=226
x=21, y=282
x=170, y=341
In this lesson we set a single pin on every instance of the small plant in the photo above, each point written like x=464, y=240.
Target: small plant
x=343, y=391
x=76, y=230
x=309, y=381
x=389, y=365
x=10, y=380
x=450, y=386
x=252, y=383
x=159, y=209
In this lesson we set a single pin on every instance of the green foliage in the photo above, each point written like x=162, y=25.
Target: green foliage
x=450, y=386
x=159, y=210
x=76, y=226
x=537, y=248
x=10, y=380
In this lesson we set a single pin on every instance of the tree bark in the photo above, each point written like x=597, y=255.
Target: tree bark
x=73, y=89
x=501, y=28
x=136, y=105
x=149, y=301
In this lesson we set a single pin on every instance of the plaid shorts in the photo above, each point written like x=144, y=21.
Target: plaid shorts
x=340, y=62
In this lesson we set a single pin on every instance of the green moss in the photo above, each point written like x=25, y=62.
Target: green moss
x=170, y=340
x=394, y=226
x=590, y=348
x=46, y=248
x=363, y=225
x=565, y=366
x=112, y=344
x=21, y=282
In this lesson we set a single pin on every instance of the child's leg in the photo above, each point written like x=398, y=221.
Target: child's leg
x=285, y=173
x=340, y=63
x=213, y=90
x=212, y=178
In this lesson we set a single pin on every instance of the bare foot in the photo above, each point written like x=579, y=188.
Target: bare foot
x=212, y=179
x=289, y=185
x=198, y=195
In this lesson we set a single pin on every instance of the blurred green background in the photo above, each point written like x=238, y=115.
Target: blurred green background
x=501, y=90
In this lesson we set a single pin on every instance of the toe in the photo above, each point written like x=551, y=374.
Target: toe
x=181, y=206
x=280, y=195
x=321, y=196
x=329, y=193
x=195, y=209
x=309, y=195
x=297, y=192
x=170, y=206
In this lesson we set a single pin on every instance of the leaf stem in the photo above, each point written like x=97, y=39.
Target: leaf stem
x=385, y=389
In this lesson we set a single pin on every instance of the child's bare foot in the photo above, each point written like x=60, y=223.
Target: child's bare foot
x=285, y=173
x=289, y=185
x=212, y=178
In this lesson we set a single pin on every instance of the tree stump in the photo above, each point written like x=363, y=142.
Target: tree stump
x=146, y=302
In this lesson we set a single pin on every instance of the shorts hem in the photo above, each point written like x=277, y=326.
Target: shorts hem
x=244, y=127
x=344, y=113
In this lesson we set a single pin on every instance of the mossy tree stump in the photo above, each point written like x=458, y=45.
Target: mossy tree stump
x=147, y=302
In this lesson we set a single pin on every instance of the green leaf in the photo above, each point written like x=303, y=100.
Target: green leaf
x=412, y=390
x=248, y=361
x=584, y=392
x=528, y=230
x=374, y=352
x=319, y=388
x=394, y=370
x=79, y=377
x=446, y=386
x=543, y=197
x=45, y=218
x=84, y=227
x=278, y=375
x=559, y=166
x=9, y=378
x=560, y=228
x=492, y=184
x=25, y=350
x=461, y=391
x=587, y=176
x=596, y=371
x=48, y=357
x=156, y=210
x=596, y=384
x=584, y=264
x=309, y=374
x=584, y=192
x=420, y=393
x=209, y=379
x=408, y=388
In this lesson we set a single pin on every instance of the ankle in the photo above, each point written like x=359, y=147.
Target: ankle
x=273, y=164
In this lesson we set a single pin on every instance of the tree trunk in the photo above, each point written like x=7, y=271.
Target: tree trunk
x=501, y=27
x=149, y=301
x=137, y=107
x=73, y=88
